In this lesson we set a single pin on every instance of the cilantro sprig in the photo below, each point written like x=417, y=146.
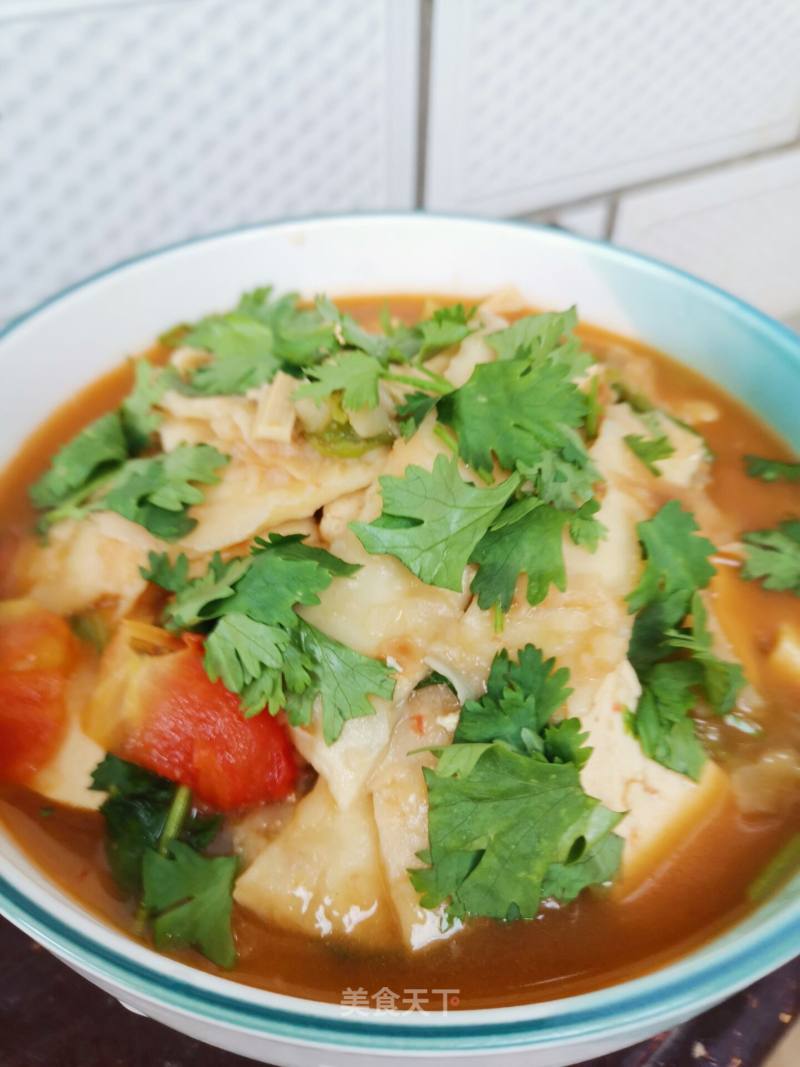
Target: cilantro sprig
x=102, y=467
x=156, y=493
x=773, y=557
x=432, y=520
x=675, y=665
x=509, y=822
x=257, y=643
x=154, y=845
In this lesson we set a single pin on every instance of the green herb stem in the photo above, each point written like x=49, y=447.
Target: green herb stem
x=173, y=824
x=176, y=817
x=434, y=384
x=446, y=436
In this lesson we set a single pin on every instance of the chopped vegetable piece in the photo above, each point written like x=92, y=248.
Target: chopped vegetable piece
x=343, y=678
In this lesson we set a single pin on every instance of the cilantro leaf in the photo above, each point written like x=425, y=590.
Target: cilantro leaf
x=596, y=865
x=240, y=649
x=231, y=375
x=283, y=572
x=432, y=520
x=191, y=899
x=259, y=646
x=157, y=493
x=586, y=530
x=722, y=681
x=565, y=742
x=497, y=830
x=514, y=411
x=649, y=640
x=301, y=336
x=772, y=470
x=413, y=410
x=196, y=599
x=662, y=722
x=139, y=420
x=231, y=336
x=519, y=696
x=135, y=813
x=354, y=373
x=773, y=557
x=649, y=450
x=446, y=327
x=74, y=468
x=508, y=820
x=563, y=476
x=344, y=680
x=525, y=539
x=676, y=557
x=538, y=337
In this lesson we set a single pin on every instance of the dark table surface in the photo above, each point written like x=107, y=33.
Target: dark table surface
x=50, y=1017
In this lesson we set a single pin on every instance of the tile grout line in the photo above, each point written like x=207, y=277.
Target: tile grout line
x=423, y=95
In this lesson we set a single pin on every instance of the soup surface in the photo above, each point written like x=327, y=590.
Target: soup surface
x=719, y=796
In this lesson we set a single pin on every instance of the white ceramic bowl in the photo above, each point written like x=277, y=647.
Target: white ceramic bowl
x=48, y=354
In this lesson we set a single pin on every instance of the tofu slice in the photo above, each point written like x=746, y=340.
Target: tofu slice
x=661, y=804
x=323, y=875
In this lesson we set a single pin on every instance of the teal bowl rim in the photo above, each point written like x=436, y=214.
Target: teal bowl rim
x=673, y=991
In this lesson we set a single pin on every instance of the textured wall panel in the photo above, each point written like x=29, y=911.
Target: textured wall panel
x=537, y=102
x=738, y=227
x=125, y=126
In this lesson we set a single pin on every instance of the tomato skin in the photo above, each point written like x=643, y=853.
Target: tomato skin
x=32, y=722
x=193, y=732
x=36, y=652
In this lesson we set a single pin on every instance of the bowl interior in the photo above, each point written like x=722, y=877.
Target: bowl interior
x=89, y=329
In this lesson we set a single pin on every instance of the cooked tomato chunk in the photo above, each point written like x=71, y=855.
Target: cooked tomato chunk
x=193, y=731
x=36, y=652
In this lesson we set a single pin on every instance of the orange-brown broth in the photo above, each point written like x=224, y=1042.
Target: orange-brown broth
x=696, y=890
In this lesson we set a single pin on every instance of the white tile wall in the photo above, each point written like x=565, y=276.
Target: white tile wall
x=128, y=125
x=589, y=220
x=738, y=226
x=535, y=102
